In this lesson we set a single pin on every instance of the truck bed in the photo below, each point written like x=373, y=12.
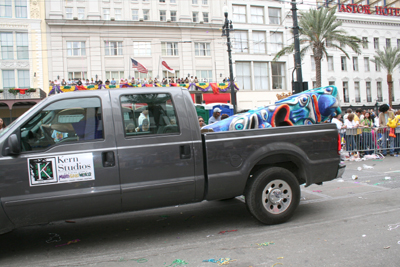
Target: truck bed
x=310, y=152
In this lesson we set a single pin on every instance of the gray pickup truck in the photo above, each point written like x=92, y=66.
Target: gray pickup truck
x=100, y=152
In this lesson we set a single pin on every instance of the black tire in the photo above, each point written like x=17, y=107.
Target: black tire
x=272, y=195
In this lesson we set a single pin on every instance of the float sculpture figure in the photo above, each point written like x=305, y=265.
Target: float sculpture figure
x=309, y=107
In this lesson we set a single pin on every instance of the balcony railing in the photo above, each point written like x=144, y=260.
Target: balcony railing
x=346, y=99
x=358, y=99
x=369, y=99
x=38, y=94
x=380, y=98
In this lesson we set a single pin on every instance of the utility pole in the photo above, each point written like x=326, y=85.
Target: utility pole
x=298, y=85
x=226, y=29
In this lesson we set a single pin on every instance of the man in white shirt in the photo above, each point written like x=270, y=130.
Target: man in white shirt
x=216, y=116
x=348, y=111
x=144, y=115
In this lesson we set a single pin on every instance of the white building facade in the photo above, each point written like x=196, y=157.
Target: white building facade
x=92, y=39
x=96, y=39
x=23, y=58
x=361, y=83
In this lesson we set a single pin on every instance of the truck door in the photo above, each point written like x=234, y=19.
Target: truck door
x=154, y=149
x=68, y=165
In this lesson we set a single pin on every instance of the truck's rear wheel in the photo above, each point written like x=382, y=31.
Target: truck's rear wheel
x=273, y=195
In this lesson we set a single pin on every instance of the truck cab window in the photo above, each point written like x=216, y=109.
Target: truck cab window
x=69, y=120
x=148, y=114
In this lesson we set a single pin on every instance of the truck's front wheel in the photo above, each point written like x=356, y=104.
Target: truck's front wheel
x=273, y=195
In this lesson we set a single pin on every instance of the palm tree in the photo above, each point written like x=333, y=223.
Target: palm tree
x=319, y=28
x=388, y=59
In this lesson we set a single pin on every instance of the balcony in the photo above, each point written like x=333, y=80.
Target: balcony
x=20, y=98
x=346, y=99
x=380, y=98
x=38, y=94
x=358, y=99
x=369, y=99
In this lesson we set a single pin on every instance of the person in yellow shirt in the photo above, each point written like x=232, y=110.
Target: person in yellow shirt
x=358, y=137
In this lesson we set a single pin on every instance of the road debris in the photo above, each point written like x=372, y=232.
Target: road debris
x=393, y=226
x=354, y=177
x=221, y=261
x=359, y=168
x=388, y=178
x=68, y=243
x=53, y=238
x=278, y=263
x=177, y=262
x=340, y=180
x=386, y=247
x=317, y=191
x=265, y=244
x=227, y=231
x=140, y=260
x=365, y=166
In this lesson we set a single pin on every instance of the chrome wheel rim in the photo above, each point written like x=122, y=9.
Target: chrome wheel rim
x=277, y=196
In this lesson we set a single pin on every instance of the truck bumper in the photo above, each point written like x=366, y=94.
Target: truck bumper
x=340, y=170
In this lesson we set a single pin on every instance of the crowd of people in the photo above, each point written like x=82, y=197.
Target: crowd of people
x=361, y=131
x=165, y=80
x=366, y=131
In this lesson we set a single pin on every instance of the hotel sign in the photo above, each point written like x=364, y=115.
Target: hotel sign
x=366, y=9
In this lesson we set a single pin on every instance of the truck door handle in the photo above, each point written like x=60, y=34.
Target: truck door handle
x=108, y=159
x=184, y=151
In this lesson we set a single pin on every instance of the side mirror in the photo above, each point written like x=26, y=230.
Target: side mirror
x=14, y=147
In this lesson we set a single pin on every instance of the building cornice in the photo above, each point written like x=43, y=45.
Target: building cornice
x=369, y=22
x=376, y=20
x=159, y=24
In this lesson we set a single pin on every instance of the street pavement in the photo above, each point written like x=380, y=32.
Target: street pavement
x=344, y=222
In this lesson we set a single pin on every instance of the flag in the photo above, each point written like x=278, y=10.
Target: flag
x=138, y=66
x=165, y=65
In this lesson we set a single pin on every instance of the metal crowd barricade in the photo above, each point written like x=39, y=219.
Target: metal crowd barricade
x=372, y=140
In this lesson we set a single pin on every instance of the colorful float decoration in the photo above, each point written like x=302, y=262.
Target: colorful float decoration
x=393, y=123
x=309, y=107
x=204, y=87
